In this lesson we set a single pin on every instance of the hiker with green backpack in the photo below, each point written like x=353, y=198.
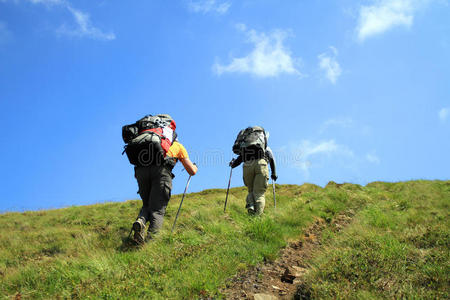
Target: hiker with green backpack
x=152, y=147
x=252, y=149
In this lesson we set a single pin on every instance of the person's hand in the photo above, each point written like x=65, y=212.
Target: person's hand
x=274, y=177
x=232, y=162
x=189, y=166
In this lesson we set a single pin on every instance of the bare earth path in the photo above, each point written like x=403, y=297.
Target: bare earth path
x=281, y=278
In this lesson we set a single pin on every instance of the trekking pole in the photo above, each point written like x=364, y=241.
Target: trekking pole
x=181, y=203
x=228, y=189
x=274, y=198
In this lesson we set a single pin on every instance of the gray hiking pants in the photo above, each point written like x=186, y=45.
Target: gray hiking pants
x=155, y=186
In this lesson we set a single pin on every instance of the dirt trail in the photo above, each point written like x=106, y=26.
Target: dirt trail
x=281, y=278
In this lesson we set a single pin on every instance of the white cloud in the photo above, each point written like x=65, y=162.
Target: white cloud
x=315, y=151
x=84, y=27
x=372, y=158
x=444, y=113
x=383, y=15
x=269, y=58
x=337, y=122
x=206, y=6
x=329, y=64
x=308, y=148
x=308, y=155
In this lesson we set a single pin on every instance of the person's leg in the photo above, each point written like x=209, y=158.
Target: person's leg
x=142, y=175
x=249, y=174
x=159, y=197
x=260, y=185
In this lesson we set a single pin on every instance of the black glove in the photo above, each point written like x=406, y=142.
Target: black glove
x=232, y=162
x=274, y=177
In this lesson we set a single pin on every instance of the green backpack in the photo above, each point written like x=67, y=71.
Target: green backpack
x=250, y=137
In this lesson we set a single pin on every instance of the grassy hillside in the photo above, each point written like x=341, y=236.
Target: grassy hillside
x=397, y=245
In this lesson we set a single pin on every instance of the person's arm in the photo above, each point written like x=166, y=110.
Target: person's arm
x=189, y=166
x=236, y=162
x=272, y=163
x=183, y=156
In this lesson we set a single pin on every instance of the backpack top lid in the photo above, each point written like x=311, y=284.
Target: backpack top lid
x=157, y=121
x=250, y=137
x=169, y=119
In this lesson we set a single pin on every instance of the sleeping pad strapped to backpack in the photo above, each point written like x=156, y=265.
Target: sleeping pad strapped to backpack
x=148, y=140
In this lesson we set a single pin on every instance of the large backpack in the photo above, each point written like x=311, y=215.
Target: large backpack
x=148, y=140
x=250, y=138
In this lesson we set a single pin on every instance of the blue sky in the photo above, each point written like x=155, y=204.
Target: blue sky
x=353, y=91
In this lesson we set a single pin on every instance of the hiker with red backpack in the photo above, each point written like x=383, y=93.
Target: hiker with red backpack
x=251, y=146
x=153, y=148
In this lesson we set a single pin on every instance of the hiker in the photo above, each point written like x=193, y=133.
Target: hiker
x=153, y=147
x=251, y=146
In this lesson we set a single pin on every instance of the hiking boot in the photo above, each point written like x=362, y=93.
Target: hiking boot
x=251, y=210
x=139, y=229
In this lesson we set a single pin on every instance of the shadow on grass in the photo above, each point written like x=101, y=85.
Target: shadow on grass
x=128, y=244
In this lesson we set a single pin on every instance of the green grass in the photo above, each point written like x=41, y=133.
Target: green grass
x=79, y=252
x=396, y=247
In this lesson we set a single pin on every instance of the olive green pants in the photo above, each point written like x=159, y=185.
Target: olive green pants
x=155, y=185
x=256, y=177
